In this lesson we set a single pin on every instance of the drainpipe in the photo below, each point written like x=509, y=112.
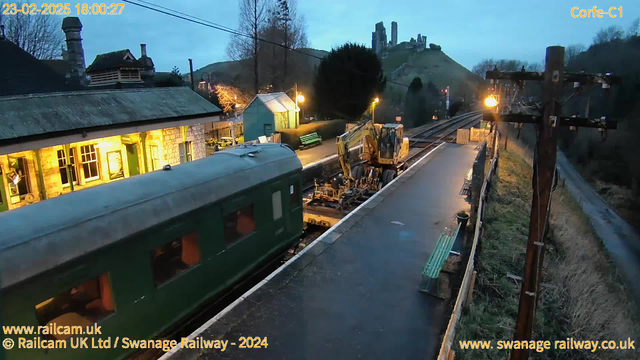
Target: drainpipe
x=43, y=191
x=67, y=149
x=183, y=129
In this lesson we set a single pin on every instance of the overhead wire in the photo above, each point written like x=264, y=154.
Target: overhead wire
x=190, y=18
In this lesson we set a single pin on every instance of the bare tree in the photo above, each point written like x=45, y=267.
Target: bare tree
x=285, y=30
x=231, y=97
x=483, y=66
x=39, y=35
x=634, y=28
x=611, y=33
x=572, y=52
x=253, y=18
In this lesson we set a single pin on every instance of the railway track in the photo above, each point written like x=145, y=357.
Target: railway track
x=439, y=133
x=421, y=142
x=426, y=139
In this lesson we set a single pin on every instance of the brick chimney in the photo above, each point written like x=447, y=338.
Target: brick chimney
x=148, y=70
x=72, y=28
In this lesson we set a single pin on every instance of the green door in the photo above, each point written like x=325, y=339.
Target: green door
x=132, y=159
x=3, y=196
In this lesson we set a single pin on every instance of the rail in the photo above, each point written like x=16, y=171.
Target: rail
x=473, y=117
x=465, y=287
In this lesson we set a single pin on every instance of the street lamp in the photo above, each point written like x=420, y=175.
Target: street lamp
x=299, y=99
x=373, y=113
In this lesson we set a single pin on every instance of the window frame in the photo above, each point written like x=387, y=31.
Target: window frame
x=276, y=194
x=229, y=211
x=23, y=163
x=175, y=233
x=74, y=168
x=119, y=175
x=92, y=153
x=68, y=288
x=294, y=188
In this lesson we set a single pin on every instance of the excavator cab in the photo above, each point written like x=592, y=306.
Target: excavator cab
x=393, y=147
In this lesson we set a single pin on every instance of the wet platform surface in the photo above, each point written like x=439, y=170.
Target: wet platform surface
x=317, y=153
x=354, y=292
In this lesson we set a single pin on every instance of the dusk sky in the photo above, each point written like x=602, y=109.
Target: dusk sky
x=467, y=30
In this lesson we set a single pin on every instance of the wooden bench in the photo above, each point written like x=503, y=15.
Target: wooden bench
x=310, y=140
x=431, y=271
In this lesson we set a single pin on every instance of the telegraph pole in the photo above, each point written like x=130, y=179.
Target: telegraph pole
x=543, y=175
x=544, y=169
x=191, y=73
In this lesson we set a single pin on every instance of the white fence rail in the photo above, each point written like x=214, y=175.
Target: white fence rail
x=447, y=340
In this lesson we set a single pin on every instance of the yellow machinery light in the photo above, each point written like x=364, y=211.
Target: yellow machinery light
x=490, y=102
x=376, y=100
x=300, y=98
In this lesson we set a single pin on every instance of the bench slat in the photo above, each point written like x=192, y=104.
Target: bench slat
x=440, y=254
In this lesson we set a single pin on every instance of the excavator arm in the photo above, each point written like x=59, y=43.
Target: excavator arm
x=363, y=130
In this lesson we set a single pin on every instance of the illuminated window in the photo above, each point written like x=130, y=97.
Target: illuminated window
x=239, y=224
x=294, y=195
x=62, y=165
x=89, y=162
x=82, y=305
x=19, y=176
x=185, y=151
x=114, y=164
x=174, y=257
x=155, y=157
x=276, y=204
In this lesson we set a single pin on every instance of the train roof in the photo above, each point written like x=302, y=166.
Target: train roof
x=49, y=233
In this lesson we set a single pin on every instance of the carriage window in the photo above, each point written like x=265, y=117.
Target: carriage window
x=276, y=204
x=82, y=305
x=174, y=257
x=294, y=196
x=239, y=224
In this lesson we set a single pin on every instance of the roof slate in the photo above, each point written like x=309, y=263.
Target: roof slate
x=21, y=73
x=48, y=114
x=113, y=60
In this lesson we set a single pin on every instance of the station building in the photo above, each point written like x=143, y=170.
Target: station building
x=55, y=143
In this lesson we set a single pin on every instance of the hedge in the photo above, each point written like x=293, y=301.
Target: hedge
x=327, y=129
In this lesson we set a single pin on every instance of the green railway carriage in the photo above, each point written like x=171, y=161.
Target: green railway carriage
x=136, y=256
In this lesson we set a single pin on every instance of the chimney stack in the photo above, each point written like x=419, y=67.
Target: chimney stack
x=143, y=50
x=75, y=53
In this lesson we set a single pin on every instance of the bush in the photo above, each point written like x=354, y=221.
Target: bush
x=328, y=129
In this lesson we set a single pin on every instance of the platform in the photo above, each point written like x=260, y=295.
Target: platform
x=316, y=153
x=353, y=293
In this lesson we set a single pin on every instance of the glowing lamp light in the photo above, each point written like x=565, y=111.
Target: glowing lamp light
x=376, y=100
x=300, y=98
x=490, y=102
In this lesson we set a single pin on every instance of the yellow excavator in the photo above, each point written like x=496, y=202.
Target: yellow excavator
x=384, y=149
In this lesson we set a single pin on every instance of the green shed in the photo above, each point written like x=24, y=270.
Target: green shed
x=269, y=113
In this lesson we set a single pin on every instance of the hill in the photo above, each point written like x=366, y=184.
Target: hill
x=239, y=72
x=402, y=64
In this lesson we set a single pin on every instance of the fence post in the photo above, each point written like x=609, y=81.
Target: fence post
x=477, y=179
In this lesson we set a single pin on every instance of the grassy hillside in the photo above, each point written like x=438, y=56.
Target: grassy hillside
x=403, y=65
x=238, y=71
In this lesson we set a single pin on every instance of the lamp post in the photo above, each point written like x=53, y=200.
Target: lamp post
x=299, y=98
x=373, y=113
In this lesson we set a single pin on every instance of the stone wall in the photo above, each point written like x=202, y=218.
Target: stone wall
x=172, y=137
